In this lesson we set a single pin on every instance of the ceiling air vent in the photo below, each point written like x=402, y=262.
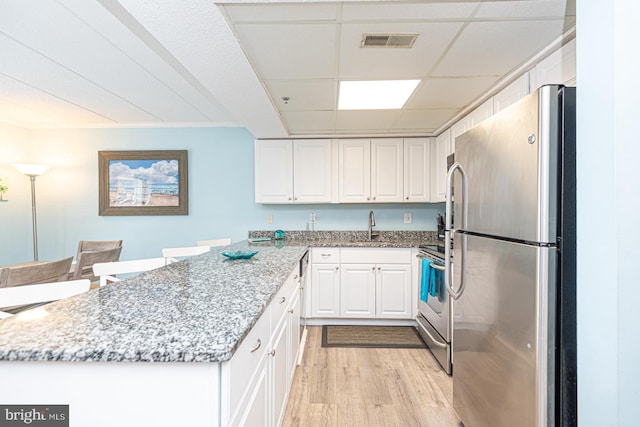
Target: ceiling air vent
x=388, y=40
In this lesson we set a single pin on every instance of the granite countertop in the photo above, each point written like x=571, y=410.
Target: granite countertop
x=196, y=310
x=354, y=239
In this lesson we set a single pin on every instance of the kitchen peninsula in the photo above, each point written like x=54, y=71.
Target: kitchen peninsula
x=192, y=316
x=219, y=338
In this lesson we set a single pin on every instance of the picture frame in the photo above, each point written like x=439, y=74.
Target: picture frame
x=148, y=182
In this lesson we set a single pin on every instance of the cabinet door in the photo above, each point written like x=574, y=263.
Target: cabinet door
x=441, y=149
x=257, y=411
x=312, y=171
x=357, y=290
x=393, y=291
x=387, y=165
x=294, y=335
x=354, y=177
x=417, y=167
x=518, y=89
x=274, y=171
x=325, y=290
x=279, y=371
x=557, y=68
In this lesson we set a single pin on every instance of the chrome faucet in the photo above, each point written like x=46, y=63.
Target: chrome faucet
x=372, y=223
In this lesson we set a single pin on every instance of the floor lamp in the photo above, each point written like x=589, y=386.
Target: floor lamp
x=32, y=171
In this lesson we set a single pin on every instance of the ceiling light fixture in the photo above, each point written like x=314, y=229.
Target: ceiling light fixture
x=375, y=95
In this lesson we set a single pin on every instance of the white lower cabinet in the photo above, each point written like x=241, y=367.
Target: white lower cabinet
x=394, y=291
x=357, y=290
x=257, y=379
x=367, y=283
x=325, y=290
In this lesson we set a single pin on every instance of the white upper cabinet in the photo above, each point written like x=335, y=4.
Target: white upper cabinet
x=387, y=165
x=557, y=68
x=274, y=171
x=417, y=169
x=518, y=89
x=441, y=148
x=354, y=170
x=312, y=171
x=293, y=171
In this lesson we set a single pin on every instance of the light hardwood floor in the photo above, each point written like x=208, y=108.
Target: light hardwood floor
x=369, y=387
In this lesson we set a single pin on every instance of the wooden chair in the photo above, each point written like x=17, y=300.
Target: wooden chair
x=170, y=254
x=215, y=242
x=85, y=261
x=107, y=270
x=93, y=246
x=42, y=272
x=28, y=295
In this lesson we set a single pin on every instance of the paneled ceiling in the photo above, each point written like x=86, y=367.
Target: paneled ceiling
x=272, y=67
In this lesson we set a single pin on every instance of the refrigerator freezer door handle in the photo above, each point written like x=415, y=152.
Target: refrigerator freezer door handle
x=448, y=234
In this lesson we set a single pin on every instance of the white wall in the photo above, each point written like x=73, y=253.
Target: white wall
x=608, y=213
x=221, y=194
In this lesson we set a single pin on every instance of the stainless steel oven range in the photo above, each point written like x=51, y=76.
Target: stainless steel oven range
x=434, y=314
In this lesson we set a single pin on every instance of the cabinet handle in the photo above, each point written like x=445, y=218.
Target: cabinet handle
x=283, y=300
x=374, y=198
x=254, y=349
x=273, y=353
x=407, y=197
x=325, y=254
x=295, y=276
x=373, y=268
x=337, y=268
x=289, y=198
x=291, y=311
x=295, y=198
x=378, y=268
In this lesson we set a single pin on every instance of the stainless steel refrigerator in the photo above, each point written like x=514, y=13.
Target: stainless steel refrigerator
x=511, y=270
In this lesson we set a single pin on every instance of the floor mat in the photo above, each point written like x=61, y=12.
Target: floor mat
x=371, y=336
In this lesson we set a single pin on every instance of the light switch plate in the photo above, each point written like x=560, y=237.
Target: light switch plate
x=269, y=219
x=408, y=218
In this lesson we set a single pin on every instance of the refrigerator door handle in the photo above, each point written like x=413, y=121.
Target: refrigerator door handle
x=448, y=234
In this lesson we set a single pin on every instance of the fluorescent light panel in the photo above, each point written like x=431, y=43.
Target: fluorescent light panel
x=375, y=95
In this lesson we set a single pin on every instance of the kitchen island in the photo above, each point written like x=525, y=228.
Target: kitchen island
x=187, y=320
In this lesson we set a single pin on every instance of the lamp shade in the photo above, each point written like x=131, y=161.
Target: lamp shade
x=31, y=169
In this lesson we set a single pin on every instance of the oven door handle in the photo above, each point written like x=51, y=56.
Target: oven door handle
x=435, y=341
x=437, y=267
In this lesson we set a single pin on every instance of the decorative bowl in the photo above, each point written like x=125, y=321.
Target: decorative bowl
x=239, y=254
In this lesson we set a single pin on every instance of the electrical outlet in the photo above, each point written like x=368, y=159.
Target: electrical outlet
x=408, y=218
x=269, y=219
x=312, y=218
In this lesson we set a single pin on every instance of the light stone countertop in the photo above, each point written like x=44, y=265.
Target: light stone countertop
x=196, y=310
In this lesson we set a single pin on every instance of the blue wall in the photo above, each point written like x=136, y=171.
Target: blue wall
x=221, y=194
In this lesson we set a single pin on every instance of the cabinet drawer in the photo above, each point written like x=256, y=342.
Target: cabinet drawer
x=325, y=255
x=376, y=256
x=246, y=360
x=282, y=299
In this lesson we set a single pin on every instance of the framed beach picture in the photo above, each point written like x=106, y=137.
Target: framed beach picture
x=143, y=182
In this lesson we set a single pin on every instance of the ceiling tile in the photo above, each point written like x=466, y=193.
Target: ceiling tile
x=495, y=48
x=242, y=13
x=290, y=51
x=422, y=120
x=309, y=121
x=318, y=94
x=404, y=11
x=396, y=63
x=522, y=9
x=455, y=92
x=376, y=121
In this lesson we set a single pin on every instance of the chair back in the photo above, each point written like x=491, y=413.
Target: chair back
x=215, y=242
x=170, y=254
x=107, y=270
x=40, y=293
x=85, y=261
x=96, y=245
x=42, y=272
